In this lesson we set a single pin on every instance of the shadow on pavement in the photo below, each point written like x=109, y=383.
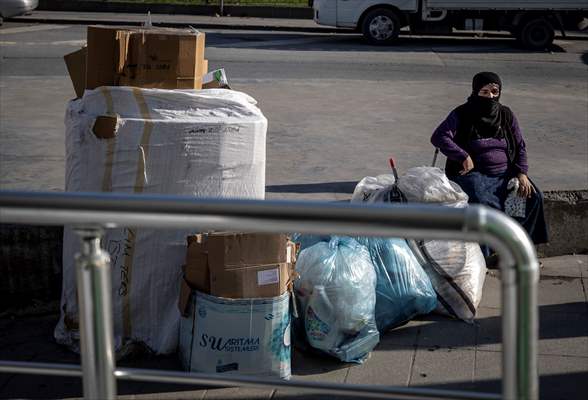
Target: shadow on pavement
x=568, y=386
x=558, y=321
x=324, y=187
x=354, y=42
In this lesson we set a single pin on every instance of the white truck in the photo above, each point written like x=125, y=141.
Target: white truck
x=532, y=22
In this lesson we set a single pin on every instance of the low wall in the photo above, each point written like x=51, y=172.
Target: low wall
x=156, y=8
x=566, y=214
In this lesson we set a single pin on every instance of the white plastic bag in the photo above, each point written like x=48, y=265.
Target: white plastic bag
x=431, y=185
x=337, y=292
x=457, y=271
x=373, y=189
x=515, y=205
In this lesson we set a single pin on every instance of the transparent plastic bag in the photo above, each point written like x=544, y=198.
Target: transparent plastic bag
x=336, y=291
x=431, y=185
x=375, y=189
x=403, y=288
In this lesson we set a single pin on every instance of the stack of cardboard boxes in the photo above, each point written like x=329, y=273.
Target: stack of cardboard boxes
x=235, y=303
x=153, y=57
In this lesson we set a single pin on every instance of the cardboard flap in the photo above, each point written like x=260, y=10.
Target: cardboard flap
x=76, y=67
x=184, y=300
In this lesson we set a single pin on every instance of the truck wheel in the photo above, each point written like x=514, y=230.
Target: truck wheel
x=381, y=26
x=537, y=34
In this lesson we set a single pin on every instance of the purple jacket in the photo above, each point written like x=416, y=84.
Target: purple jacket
x=489, y=155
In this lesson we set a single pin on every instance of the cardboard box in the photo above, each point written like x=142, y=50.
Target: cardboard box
x=239, y=265
x=162, y=58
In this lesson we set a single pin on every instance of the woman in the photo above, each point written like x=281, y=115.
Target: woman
x=485, y=149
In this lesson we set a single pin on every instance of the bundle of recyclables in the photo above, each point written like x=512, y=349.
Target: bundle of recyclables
x=411, y=278
x=336, y=292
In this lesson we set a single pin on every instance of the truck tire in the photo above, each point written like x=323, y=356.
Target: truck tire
x=381, y=26
x=536, y=34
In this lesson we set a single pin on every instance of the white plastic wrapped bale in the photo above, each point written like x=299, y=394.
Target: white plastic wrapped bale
x=457, y=270
x=208, y=143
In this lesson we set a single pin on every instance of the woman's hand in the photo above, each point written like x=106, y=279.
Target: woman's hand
x=468, y=165
x=525, y=186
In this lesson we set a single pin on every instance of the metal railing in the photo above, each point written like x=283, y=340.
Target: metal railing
x=91, y=213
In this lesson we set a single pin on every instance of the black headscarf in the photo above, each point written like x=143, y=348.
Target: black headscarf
x=486, y=115
x=482, y=117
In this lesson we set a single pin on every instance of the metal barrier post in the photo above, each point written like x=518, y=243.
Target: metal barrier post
x=95, y=315
x=520, y=320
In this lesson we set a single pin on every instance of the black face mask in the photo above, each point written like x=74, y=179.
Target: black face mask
x=484, y=107
x=485, y=116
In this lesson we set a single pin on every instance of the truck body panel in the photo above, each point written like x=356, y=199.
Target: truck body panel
x=506, y=5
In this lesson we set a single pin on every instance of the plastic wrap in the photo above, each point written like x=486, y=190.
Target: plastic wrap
x=337, y=294
x=198, y=143
x=431, y=185
x=403, y=288
x=514, y=205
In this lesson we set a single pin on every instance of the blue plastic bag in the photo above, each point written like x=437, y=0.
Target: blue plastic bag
x=336, y=290
x=403, y=289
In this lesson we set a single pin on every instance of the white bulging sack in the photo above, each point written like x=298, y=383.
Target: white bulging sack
x=196, y=143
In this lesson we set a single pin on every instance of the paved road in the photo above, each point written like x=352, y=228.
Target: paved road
x=337, y=108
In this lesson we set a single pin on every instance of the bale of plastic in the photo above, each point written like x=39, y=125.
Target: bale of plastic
x=195, y=143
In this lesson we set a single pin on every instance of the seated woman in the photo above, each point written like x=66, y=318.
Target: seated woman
x=485, y=149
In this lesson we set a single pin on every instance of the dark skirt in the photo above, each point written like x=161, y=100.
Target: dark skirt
x=491, y=191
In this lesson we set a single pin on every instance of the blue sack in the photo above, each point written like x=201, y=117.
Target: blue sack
x=403, y=289
x=336, y=290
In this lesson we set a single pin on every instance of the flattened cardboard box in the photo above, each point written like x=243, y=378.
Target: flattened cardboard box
x=239, y=265
x=162, y=58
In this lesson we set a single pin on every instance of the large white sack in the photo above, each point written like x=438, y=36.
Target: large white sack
x=457, y=270
x=208, y=143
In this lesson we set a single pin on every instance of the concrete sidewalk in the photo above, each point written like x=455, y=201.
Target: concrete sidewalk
x=429, y=352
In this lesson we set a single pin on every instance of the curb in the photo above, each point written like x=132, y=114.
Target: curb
x=211, y=26
x=141, y=8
